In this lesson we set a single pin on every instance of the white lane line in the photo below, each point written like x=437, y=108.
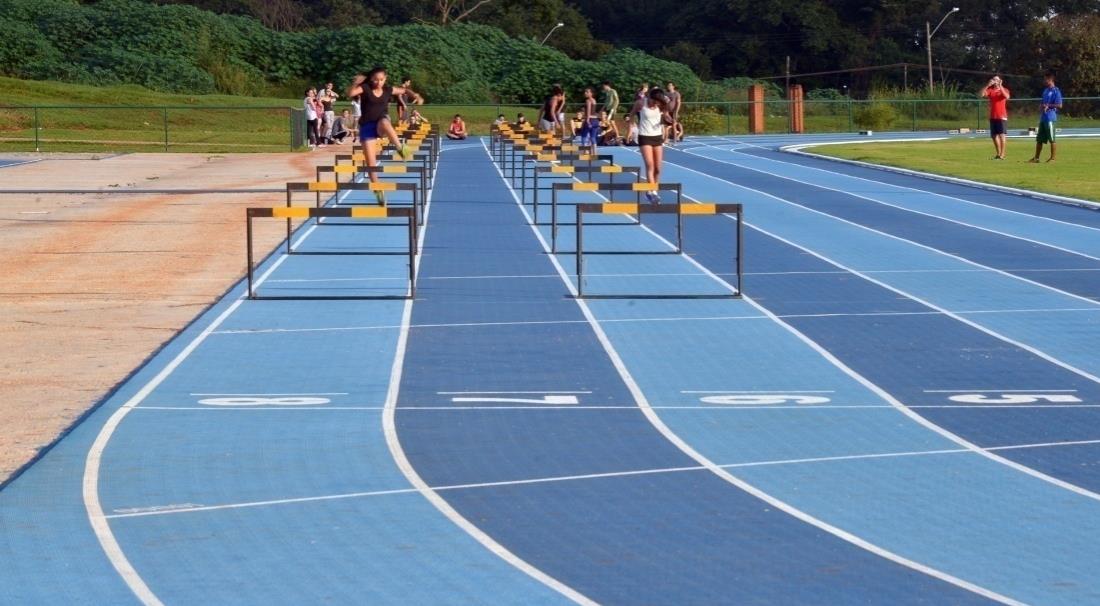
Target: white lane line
x=758, y=392
x=142, y=512
x=891, y=236
x=660, y=426
x=999, y=390
x=92, y=463
x=320, y=393
x=1035, y=195
x=459, y=393
x=701, y=407
x=882, y=392
x=257, y=331
x=899, y=207
x=939, y=195
x=393, y=441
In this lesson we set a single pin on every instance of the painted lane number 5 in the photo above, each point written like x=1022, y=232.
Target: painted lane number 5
x=1013, y=398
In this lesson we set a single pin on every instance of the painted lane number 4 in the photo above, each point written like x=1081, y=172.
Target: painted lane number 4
x=764, y=399
x=1014, y=398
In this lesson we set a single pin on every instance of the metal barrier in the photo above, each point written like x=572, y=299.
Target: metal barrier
x=364, y=213
x=638, y=209
x=572, y=170
x=596, y=186
x=336, y=188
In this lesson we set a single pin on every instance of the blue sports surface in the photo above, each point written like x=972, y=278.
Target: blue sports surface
x=903, y=408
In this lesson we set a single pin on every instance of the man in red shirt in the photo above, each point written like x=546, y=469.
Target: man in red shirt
x=998, y=97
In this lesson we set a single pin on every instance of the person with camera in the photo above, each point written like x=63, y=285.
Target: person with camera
x=652, y=115
x=998, y=96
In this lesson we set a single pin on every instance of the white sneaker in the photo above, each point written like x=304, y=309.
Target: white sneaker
x=652, y=197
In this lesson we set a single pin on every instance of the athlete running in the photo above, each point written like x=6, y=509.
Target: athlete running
x=652, y=116
x=374, y=123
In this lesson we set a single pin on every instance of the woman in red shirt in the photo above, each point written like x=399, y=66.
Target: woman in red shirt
x=998, y=97
x=457, y=129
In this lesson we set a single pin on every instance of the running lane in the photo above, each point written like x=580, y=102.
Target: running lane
x=847, y=290
x=1055, y=254
x=483, y=400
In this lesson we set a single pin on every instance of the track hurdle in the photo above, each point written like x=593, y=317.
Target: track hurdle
x=337, y=188
x=363, y=213
x=595, y=186
x=679, y=210
x=393, y=171
x=571, y=171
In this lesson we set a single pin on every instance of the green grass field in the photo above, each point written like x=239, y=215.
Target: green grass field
x=1073, y=174
x=195, y=123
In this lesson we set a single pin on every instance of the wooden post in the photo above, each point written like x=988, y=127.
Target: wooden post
x=796, y=109
x=756, y=109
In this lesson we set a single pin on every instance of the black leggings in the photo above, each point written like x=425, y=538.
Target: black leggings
x=311, y=129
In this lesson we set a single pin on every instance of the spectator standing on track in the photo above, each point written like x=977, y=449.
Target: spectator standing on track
x=356, y=112
x=457, y=130
x=631, y=131
x=1052, y=102
x=328, y=97
x=652, y=115
x=404, y=101
x=675, y=130
x=319, y=111
x=375, y=122
x=590, y=125
x=610, y=100
x=998, y=96
x=311, y=117
x=548, y=118
x=640, y=94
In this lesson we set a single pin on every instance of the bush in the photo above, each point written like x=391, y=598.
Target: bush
x=875, y=116
x=702, y=120
x=181, y=48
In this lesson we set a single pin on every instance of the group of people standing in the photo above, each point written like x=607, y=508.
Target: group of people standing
x=324, y=127
x=998, y=95
x=652, y=121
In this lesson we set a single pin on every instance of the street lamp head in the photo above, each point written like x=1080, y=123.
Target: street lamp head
x=563, y=25
x=955, y=10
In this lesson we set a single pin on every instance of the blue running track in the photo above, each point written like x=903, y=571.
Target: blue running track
x=903, y=409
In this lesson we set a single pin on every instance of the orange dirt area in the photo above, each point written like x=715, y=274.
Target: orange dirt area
x=92, y=284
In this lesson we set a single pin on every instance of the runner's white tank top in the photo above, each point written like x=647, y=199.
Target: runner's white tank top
x=649, y=122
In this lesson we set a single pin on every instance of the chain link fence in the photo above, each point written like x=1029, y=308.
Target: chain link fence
x=280, y=129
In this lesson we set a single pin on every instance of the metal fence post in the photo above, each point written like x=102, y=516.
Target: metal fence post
x=914, y=103
x=729, y=118
x=165, y=110
x=290, y=123
x=37, y=147
x=850, y=114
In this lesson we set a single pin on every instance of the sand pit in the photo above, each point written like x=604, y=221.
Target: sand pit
x=94, y=283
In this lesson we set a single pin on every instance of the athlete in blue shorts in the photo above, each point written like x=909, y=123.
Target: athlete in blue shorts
x=374, y=122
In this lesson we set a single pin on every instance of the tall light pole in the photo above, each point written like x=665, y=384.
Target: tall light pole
x=552, y=30
x=929, y=31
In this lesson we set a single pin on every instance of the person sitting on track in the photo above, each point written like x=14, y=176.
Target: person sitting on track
x=375, y=98
x=521, y=121
x=576, y=124
x=457, y=131
x=609, y=131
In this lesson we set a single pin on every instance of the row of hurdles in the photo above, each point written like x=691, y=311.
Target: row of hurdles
x=544, y=160
x=414, y=175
